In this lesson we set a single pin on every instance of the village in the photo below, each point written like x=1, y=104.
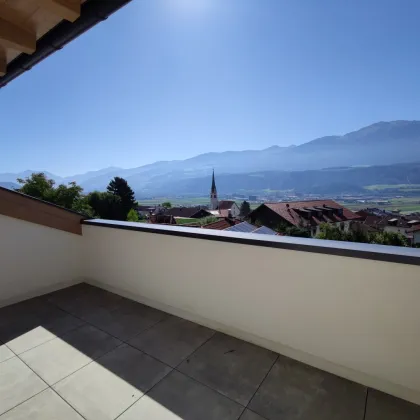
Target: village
x=304, y=218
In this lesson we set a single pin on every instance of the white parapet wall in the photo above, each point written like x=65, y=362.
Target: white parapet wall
x=358, y=318
x=36, y=259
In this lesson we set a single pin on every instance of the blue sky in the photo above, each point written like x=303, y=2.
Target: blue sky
x=169, y=79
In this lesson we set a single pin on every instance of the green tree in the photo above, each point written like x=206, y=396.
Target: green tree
x=389, y=238
x=132, y=216
x=120, y=188
x=106, y=205
x=39, y=186
x=66, y=196
x=245, y=209
x=167, y=204
x=69, y=196
x=81, y=205
x=331, y=232
x=297, y=231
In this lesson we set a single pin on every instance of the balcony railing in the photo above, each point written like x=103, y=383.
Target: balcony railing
x=349, y=309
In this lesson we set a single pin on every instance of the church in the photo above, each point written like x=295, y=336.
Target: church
x=222, y=208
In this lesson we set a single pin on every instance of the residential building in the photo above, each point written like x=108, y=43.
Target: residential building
x=232, y=225
x=188, y=212
x=165, y=219
x=221, y=224
x=303, y=214
x=145, y=211
x=415, y=232
x=228, y=207
x=246, y=227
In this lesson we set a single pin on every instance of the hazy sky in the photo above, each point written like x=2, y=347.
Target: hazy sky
x=169, y=79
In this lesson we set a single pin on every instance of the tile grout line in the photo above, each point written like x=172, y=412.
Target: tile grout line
x=260, y=385
x=106, y=332
x=135, y=402
x=93, y=360
x=17, y=356
x=47, y=341
x=66, y=402
x=48, y=387
x=209, y=387
x=123, y=342
x=51, y=339
x=23, y=402
x=173, y=368
x=366, y=403
x=87, y=364
x=195, y=351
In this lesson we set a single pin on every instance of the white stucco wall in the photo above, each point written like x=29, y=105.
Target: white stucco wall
x=235, y=210
x=396, y=229
x=36, y=259
x=354, y=317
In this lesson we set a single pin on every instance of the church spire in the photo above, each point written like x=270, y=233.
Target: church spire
x=213, y=185
x=214, y=202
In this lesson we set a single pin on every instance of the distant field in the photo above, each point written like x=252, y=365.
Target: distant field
x=194, y=201
x=185, y=220
x=176, y=201
x=405, y=205
x=404, y=187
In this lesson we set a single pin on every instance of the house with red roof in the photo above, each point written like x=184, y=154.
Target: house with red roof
x=303, y=214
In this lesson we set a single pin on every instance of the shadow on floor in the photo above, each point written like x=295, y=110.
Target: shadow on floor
x=85, y=351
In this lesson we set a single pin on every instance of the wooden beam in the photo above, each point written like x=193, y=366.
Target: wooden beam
x=3, y=62
x=66, y=9
x=14, y=36
x=22, y=207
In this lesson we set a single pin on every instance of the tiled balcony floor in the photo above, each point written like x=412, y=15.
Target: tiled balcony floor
x=83, y=352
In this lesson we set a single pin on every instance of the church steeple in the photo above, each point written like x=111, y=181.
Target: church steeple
x=214, y=202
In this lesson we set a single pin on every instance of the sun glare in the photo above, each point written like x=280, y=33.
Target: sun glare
x=190, y=7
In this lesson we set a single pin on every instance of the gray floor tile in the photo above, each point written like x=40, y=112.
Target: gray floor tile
x=48, y=329
x=20, y=318
x=45, y=406
x=231, y=366
x=108, y=386
x=382, y=406
x=60, y=357
x=128, y=320
x=70, y=293
x=17, y=383
x=91, y=341
x=172, y=340
x=180, y=397
x=5, y=353
x=293, y=391
x=84, y=300
x=250, y=415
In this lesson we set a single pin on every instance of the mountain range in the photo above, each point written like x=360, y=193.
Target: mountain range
x=381, y=144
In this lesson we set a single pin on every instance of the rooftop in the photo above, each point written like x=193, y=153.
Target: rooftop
x=85, y=353
x=290, y=211
x=226, y=204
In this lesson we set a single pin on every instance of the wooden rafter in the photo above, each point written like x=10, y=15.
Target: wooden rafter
x=66, y=9
x=14, y=36
x=3, y=62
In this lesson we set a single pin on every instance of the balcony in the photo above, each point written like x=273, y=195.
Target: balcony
x=106, y=320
